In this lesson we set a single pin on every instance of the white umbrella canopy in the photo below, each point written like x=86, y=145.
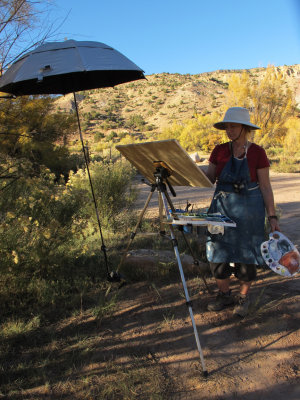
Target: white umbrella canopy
x=69, y=66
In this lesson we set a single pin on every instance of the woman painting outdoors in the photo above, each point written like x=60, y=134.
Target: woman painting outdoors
x=243, y=193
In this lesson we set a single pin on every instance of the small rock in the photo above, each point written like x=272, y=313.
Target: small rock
x=195, y=157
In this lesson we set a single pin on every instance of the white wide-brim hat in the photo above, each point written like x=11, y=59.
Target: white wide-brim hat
x=238, y=115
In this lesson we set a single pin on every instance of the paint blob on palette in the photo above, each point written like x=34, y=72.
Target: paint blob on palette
x=281, y=255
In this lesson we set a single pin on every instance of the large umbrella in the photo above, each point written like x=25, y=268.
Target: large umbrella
x=66, y=67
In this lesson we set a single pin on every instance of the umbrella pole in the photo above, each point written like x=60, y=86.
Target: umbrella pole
x=103, y=248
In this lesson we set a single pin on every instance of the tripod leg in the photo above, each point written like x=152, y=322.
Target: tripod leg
x=169, y=201
x=196, y=262
x=166, y=199
x=132, y=236
x=161, y=224
x=188, y=301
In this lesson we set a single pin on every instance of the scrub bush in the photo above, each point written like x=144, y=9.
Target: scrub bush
x=50, y=252
x=98, y=136
x=39, y=226
x=113, y=191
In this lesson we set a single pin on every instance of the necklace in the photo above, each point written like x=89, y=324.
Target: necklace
x=238, y=152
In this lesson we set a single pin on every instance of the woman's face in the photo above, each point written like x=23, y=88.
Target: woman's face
x=233, y=130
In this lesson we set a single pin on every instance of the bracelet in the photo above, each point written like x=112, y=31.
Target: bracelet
x=272, y=217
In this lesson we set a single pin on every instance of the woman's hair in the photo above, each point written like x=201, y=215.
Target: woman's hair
x=247, y=128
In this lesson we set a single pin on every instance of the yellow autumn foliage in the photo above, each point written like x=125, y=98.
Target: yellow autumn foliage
x=291, y=144
x=196, y=134
x=270, y=102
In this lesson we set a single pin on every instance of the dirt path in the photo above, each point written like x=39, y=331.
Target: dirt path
x=257, y=357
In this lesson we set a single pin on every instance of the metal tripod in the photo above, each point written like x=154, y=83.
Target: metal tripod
x=161, y=181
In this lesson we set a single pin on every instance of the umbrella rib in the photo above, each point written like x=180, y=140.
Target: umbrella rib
x=80, y=59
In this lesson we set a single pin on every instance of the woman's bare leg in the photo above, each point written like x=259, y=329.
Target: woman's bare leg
x=223, y=284
x=244, y=287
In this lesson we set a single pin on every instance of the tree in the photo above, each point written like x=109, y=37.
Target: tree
x=271, y=104
x=195, y=134
x=238, y=94
x=31, y=119
x=22, y=27
x=30, y=129
x=291, y=146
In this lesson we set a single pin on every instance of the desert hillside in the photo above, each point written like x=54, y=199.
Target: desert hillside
x=150, y=105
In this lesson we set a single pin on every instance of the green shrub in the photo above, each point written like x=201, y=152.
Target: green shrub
x=98, y=136
x=50, y=247
x=111, y=136
x=287, y=164
x=136, y=122
x=113, y=190
x=39, y=227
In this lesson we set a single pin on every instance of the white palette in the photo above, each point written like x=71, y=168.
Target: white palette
x=281, y=255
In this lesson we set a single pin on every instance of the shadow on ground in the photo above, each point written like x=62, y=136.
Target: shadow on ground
x=250, y=358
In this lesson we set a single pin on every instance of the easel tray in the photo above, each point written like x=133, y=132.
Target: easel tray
x=201, y=219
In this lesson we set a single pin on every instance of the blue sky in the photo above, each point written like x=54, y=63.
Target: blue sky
x=188, y=36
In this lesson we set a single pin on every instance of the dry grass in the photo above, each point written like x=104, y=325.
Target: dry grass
x=76, y=357
x=65, y=361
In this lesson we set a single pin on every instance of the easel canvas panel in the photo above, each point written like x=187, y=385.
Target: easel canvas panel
x=184, y=171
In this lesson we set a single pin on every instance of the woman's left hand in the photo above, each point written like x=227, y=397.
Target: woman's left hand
x=267, y=192
x=274, y=224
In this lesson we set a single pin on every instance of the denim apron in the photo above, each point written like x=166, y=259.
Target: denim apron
x=241, y=200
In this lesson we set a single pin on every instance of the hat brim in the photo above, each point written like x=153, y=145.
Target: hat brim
x=221, y=125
